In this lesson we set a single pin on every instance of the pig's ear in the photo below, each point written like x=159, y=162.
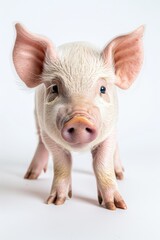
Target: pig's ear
x=125, y=53
x=29, y=55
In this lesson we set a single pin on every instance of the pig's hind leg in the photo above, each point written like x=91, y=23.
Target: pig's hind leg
x=118, y=168
x=40, y=159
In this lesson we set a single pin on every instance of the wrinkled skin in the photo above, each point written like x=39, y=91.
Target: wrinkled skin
x=76, y=106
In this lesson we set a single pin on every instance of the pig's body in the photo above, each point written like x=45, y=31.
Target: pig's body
x=76, y=106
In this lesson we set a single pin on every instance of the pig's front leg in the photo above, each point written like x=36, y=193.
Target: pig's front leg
x=103, y=164
x=61, y=187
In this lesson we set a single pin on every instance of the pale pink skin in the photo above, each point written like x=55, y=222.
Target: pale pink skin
x=78, y=116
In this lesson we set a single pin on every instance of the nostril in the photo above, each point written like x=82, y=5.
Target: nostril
x=89, y=130
x=70, y=130
x=78, y=134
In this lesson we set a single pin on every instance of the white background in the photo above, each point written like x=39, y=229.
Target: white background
x=23, y=214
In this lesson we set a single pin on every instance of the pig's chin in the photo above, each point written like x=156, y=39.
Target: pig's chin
x=79, y=146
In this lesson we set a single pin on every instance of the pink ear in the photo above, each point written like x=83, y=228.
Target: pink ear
x=126, y=54
x=29, y=55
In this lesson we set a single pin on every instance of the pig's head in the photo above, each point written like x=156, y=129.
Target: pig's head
x=78, y=83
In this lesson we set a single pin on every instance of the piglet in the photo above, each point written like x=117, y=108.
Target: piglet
x=76, y=106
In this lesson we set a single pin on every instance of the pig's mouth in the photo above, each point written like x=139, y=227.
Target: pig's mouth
x=78, y=145
x=79, y=130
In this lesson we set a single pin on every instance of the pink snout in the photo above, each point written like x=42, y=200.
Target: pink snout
x=79, y=131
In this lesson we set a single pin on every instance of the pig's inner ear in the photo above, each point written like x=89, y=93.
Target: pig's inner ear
x=29, y=55
x=125, y=53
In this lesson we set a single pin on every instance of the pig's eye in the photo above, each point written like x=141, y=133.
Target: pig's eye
x=54, y=89
x=53, y=93
x=103, y=90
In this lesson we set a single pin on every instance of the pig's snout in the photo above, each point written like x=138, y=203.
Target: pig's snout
x=79, y=131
